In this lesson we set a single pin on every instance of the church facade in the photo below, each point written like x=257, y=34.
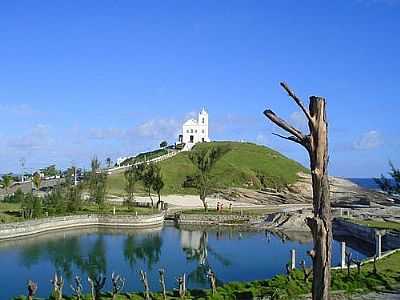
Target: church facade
x=195, y=131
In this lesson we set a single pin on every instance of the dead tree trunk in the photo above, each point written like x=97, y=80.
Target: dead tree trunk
x=348, y=263
x=162, y=283
x=58, y=284
x=117, y=284
x=96, y=284
x=143, y=279
x=181, y=280
x=306, y=273
x=316, y=144
x=32, y=289
x=78, y=288
x=213, y=281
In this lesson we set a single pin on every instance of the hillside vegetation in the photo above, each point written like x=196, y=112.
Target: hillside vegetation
x=243, y=165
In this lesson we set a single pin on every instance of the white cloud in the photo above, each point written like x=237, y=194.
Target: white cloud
x=37, y=138
x=157, y=129
x=105, y=133
x=16, y=109
x=261, y=139
x=369, y=140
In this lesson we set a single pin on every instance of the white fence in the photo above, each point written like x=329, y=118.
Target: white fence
x=154, y=160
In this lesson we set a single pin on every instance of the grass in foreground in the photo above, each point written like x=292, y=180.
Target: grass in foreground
x=290, y=287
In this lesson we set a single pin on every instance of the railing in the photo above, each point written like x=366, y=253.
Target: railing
x=153, y=160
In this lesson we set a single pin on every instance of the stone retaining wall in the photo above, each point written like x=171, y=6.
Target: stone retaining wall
x=202, y=219
x=342, y=227
x=12, y=230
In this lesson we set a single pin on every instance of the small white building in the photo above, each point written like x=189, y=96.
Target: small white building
x=195, y=131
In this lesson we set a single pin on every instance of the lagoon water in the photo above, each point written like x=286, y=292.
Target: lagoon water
x=233, y=255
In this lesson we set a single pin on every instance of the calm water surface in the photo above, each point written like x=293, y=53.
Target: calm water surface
x=232, y=254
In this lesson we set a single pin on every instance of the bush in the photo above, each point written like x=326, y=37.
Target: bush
x=17, y=197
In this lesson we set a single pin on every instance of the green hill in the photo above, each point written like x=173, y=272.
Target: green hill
x=243, y=165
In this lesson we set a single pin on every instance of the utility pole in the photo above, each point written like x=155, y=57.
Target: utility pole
x=22, y=161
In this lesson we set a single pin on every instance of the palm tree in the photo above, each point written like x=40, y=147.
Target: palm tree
x=204, y=161
x=37, y=180
x=7, y=182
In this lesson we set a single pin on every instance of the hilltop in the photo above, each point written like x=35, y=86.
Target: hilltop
x=243, y=165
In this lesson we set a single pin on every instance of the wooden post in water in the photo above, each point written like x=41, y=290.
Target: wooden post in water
x=292, y=259
x=378, y=244
x=343, y=255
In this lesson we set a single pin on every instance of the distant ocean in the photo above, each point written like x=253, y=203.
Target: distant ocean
x=367, y=183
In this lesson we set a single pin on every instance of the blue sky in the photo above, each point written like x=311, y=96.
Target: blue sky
x=109, y=78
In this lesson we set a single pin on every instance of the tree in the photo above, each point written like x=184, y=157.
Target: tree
x=31, y=206
x=316, y=144
x=108, y=161
x=37, y=180
x=97, y=183
x=7, y=182
x=158, y=183
x=390, y=185
x=147, y=176
x=51, y=171
x=204, y=160
x=163, y=144
x=132, y=175
x=73, y=198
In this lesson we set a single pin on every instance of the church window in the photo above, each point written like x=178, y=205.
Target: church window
x=202, y=131
x=202, y=120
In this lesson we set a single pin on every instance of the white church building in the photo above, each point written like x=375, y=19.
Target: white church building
x=195, y=131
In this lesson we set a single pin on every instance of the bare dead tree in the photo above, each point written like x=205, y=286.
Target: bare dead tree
x=32, y=289
x=358, y=264
x=181, y=280
x=348, y=262
x=96, y=285
x=375, y=270
x=316, y=144
x=162, y=283
x=144, y=280
x=78, y=288
x=288, y=269
x=118, y=283
x=213, y=281
x=58, y=284
x=306, y=272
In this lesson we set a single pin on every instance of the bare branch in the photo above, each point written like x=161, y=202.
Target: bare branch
x=284, y=125
x=290, y=138
x=297, y=100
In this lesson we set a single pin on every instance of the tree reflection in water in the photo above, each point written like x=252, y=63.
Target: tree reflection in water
x=142, y=248
x=195, y=245
x=67, y=254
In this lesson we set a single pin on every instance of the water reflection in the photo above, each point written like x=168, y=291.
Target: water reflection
x=190, y=250
x=67, y=254
x=146, y=248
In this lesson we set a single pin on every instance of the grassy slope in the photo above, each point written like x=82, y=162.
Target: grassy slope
x=238, y=167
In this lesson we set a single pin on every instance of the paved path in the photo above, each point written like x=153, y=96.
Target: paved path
x=177, y=202
x=386, y=295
